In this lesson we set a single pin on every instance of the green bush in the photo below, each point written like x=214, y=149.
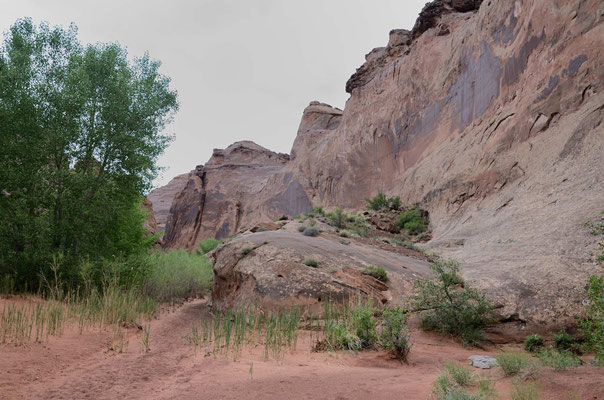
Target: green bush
x=395, y=202
x=395, y=333
x=592, y=325
x=337, y=218
x=558, y=360
x=533, y=343
x=362, y=317
x=311, y=262
x=460, y=374
x=177, y=275
x=378, y=203
x=301, y=228
x=209, y=245
x=563, y=341
x=449, y=306
x=378, y=273
x=514, y=363
x=310, y=231
x=317, y=211
x=412, y=222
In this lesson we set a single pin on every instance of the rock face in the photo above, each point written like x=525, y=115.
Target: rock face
x=240, y=186
x=269, y=267
x=488, y=114
x=162, y=198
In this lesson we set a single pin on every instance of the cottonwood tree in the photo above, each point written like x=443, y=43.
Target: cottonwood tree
x=80, y=134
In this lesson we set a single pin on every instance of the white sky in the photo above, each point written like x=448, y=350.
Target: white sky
x=244, y=69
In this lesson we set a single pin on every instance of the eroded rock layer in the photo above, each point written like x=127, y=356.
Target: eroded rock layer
x=488, y=114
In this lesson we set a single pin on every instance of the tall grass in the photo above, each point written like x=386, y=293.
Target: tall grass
x=37, y=320
x=177, y=275
x=228, y=332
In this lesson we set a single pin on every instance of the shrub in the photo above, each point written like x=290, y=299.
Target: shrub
x=177, y=275
x=412, y=222
x=209, y=245
x=514, y=363
x=460, y=374
x=310, y=231
x=446, y=389
x=311, y=262
x=344, y=234
x=378, y=273
x=449, y=306
x=533, y=343
x=378, y=203
x=524, y=390
x=395, y=202
x=362, y=317
x=245, y=250
x=395, y=334
x=592, y=325
x=563, y=341
x=301, y=228
x=318, y=210
x=337, y=218
x=558, y=360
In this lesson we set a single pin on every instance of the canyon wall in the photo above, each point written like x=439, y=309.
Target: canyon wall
x=488, y=114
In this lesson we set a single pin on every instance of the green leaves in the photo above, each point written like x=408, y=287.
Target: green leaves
x=80, y=133
x=448, y=306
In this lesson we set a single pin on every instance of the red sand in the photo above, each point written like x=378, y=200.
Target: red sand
x=77, y=366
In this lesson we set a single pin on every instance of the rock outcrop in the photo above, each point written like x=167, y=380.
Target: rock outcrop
x=162, y=198
x=488, y=114
x=269, y=267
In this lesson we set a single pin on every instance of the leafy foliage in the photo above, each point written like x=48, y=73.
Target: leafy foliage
x=592, y=326
x=337, y=218
x=533, y=343
x=80, y=139
x=395, y=333
x=208, y=245
x=563, y=341
x=558, y=360
x=378, y=273
x=412, y=221
x=514, y=363
x=449, y=306
x=310, y=231
x=311, y=262
x=377, y=203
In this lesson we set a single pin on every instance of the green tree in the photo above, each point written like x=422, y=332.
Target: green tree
x=80, y=134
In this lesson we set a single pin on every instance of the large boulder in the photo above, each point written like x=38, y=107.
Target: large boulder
x=269, y=267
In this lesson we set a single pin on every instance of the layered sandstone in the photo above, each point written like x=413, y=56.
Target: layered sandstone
x=488, y=114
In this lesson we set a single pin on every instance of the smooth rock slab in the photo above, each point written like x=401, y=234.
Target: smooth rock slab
x=483, y=362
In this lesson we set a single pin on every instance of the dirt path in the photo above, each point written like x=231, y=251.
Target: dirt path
x=77, y=366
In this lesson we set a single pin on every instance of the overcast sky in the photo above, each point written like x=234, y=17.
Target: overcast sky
x=244, y=69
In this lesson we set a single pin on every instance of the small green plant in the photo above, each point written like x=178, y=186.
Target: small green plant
x=318, y=211
x=460, y=374
x=395, y=202
x=344, y=234
x=208, y=245
x=310, y=231
x=395, y=333
x=524, y=390
x=145, y=344
x=515, y=363
x=413, y=222
x=301, y=228
x=378, y=203
x=311, y=262
x=378, y=273
x=558, y=360
x=592, y=325
x=449, y=306
x=486, y=389
x=533, y=343
x=337, y=218
x=445, y=388
x=245, y=250
x=563, y=341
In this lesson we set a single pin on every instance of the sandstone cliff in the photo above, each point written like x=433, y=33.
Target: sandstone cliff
x=488, y=114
